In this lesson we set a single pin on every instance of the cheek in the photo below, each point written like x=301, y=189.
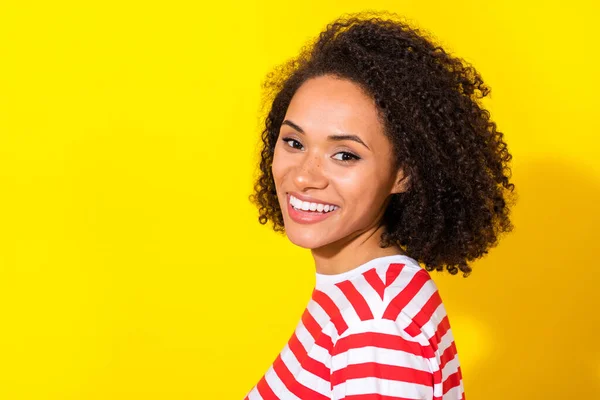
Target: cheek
x=363, y=192
x=281, y=166
x=359, y=184
x=278, y=167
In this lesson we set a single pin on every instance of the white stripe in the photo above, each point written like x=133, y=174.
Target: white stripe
x=314, y=350
x=254, y=395
x=331, y=331
x=431, y=326
x=277, y=386
x=370, y=295
x=317, y=312
x=387, y=326
x=438, y=389
x=304, y=336
x=400, y=283
x=418, y=301
x=450, y=367
x=446, y=342
x=379, y=355
x=384, y=387
x=403, y=321
x=304, y=377
x=347, y=312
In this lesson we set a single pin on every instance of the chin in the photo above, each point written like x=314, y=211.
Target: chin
x=307, y=238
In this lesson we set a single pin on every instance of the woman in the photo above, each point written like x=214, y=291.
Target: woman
x=379, y=158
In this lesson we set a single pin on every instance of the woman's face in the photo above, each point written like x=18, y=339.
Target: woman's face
x=331, y=154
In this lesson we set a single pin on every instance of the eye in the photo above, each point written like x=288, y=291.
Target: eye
x=346, y=156
x=293, y=143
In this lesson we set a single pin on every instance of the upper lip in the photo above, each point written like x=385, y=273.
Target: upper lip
x=309, y=199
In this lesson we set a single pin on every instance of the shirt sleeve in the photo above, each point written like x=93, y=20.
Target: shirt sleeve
x=376, y=359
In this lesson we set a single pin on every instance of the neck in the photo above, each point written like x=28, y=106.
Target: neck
x=351, y=252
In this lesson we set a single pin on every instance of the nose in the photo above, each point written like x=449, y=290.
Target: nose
x=309, y=174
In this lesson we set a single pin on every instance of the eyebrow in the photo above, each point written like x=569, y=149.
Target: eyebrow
x=330, y=137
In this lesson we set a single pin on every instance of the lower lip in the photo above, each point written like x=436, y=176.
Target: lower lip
x=306, y=217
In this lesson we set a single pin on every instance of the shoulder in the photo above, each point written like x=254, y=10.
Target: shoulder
x=363, y=296
x=402, y=296
x=400, y=291
x=402, y=287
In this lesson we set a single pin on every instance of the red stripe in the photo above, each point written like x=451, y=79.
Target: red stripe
x=437, y=376
x=331, y=309
x=265, y=390
x=392, y=273
x=451, y=382
x=311, y=324
x=375, y=281
x=306, y=361
x=324, y=340
x=406, y=295
x=424, y=315
x=426, y=312
x=290, y=382
x=381, y=371
x=383, y=341
x=412, y=329
x=442, y=329
x=448, y=355
x=356, y=299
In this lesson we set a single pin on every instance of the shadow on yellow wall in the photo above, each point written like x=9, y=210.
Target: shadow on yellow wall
x=528, y=323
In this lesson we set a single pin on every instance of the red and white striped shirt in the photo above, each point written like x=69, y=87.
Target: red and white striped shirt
x=379, y=331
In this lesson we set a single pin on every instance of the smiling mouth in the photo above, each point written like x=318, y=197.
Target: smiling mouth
x=303, y=212
x=311, y=207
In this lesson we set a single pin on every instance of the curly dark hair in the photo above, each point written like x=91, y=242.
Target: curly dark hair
x=458, y=199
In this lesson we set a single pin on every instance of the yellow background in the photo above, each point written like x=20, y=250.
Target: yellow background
x=131, y=262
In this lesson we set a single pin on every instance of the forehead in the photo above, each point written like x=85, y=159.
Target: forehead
x=327, y=104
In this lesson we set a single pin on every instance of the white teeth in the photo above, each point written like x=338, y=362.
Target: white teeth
x=306, y=206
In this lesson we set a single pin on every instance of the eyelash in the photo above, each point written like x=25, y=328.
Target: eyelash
x=354, y=156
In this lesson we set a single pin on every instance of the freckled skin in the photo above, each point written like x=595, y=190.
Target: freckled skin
x=314, y=166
